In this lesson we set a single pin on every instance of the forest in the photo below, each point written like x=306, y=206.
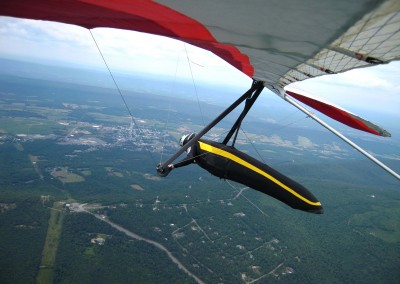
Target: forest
x=355, y=233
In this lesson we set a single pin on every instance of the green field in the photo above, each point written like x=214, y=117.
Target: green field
x=46, y=269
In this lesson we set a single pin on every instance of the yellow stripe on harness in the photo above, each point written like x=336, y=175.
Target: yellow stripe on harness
x=230, y=156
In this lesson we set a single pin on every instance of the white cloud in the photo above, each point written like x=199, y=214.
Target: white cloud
x=123, y=50
x=43, y=31
x=374, y=88
x=13, y=29
x=375, y=77
x=275, y=140
x=304, y=142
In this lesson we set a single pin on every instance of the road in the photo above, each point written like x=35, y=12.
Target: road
x=140, y=238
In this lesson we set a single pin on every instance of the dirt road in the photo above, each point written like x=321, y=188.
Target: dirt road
x=140, y=238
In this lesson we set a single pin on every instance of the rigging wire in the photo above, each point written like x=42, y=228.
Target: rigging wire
x=252, y=144
x=276, y=129
x=195, y=89
x=122, y=97
x=169, y=109
x=194, y=84
x=248, y=200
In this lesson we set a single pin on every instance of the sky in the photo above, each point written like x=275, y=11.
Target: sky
x=374, y=89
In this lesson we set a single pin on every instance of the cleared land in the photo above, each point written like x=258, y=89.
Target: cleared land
x=46, y=272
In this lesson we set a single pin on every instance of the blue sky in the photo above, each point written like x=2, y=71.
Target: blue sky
x=373, y=89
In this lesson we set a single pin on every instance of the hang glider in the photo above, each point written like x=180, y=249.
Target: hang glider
x=277, y=42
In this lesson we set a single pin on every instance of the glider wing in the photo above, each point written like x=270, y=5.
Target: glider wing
x=340, y=114
x=277, y=41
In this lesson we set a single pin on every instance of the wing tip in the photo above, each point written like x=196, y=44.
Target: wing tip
x=340, y=114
